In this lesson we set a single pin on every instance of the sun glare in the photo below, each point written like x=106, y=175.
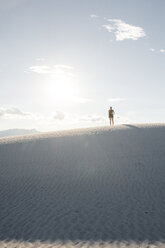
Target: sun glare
x=61, y=88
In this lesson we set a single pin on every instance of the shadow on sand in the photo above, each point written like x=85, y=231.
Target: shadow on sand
x=131, y=126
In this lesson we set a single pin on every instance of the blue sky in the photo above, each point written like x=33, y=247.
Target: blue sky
x=64, y=62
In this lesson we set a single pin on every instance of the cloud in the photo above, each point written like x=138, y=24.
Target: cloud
x=41, y=69
x=94, y=16
x=116, y=99
x=54, y=70
x=123, y=30
x=58, y=115
x=11, y=113
x=15, y=111
x=161, y=50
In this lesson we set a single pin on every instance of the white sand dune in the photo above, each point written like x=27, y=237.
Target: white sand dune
x=95, y=187
x=16, y=132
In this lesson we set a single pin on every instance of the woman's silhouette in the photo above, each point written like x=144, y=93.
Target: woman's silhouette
x=111, y=113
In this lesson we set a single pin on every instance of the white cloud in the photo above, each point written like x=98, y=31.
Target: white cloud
x=116, y=99
x=59, y=115
x=41, y=69
x=16, y=111
x=93, y=16
x=13, y=112
x=123, y=30
x=161, y=50
x=54, y=70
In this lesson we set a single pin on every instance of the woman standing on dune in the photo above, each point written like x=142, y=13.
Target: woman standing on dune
x=111, y=113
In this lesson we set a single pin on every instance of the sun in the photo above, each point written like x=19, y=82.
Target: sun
x=61, y=88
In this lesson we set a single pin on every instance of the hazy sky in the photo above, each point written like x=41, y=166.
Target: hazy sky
x=64, y=62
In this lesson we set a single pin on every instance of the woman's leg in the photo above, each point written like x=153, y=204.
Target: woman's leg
x=112, y=121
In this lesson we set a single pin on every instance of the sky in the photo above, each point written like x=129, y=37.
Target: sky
x=65, y=62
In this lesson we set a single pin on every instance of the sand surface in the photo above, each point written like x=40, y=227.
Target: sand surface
x=95, y=187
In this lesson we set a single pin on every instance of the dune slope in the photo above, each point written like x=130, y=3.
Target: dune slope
x=89, y=185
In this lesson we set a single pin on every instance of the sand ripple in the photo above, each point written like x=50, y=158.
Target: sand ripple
x=96, y=187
